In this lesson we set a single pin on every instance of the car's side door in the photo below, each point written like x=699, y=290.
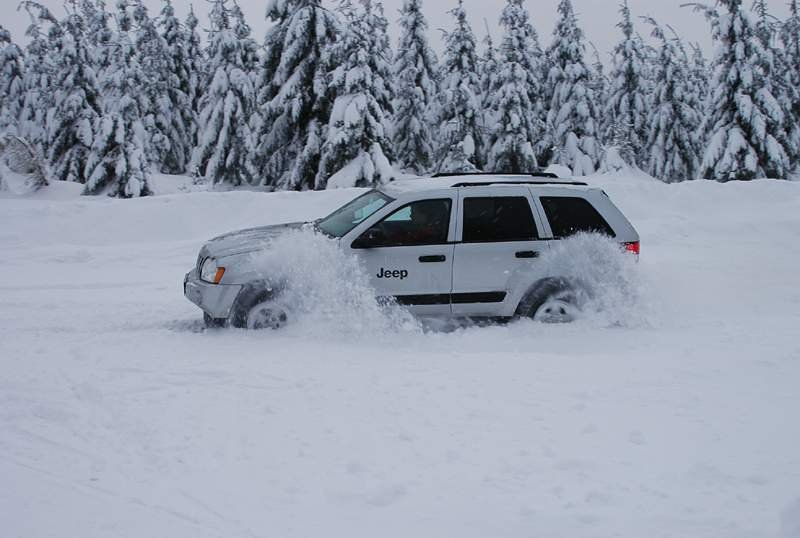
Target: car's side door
x=498, y=243
x=409, y=254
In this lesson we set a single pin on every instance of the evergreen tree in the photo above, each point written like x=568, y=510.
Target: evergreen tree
x=381, y=56
x=12, y=70
x=295, y=95
x=415, y=79
x=600, y=81
x=40, y=55
x=572, y=120
x=98, y=34
x=673, y=139
x=195, y=63
x=775, y=66
x=790, y=37
x=513, y=124
x=154, y=61
x=461, y=129
x=248, y=44
x=746, y=120
x=353, y=153
x=225, y=137
x=626, y=107
x=117, y=164
x=76, y=103
x=699, y=97
x=489, y=66
x=174, y=103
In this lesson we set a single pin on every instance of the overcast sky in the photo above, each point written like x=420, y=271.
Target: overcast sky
x=597, y=17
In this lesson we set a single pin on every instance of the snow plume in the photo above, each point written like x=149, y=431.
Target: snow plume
x=608, y=276
x=327, y=290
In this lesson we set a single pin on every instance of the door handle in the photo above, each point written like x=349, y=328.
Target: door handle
x=527, y=254
x=433, y=259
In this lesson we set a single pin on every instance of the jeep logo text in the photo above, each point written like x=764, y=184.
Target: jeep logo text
x=385, y=273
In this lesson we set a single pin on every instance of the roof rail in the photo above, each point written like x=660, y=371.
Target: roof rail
x=529, y=174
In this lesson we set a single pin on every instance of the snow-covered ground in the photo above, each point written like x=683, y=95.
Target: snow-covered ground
x=120, y=416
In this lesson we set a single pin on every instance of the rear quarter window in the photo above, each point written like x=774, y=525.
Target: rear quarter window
x=569, y=215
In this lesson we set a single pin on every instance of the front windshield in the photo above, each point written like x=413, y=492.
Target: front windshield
x=348, y=217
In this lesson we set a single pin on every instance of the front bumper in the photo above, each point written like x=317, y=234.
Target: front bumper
x=215, y=300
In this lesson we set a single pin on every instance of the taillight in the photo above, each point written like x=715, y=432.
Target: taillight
x=632, y=247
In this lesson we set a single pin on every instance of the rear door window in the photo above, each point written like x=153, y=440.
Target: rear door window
x=569, y=215
x=498, y=220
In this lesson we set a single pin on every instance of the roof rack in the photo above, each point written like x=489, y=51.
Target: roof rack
x=530, y=174
x=523, y=182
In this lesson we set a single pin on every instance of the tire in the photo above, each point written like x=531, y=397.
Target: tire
x=268, y=315
x=260, y=311
x=554, y=300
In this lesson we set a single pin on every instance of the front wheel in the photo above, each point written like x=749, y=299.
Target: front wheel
x=267, y=315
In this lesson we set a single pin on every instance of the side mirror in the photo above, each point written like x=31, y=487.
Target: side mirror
x=372, y=238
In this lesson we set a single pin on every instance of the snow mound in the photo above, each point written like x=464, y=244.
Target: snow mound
x=608, y=276
x=790, y=520
x=328, y=290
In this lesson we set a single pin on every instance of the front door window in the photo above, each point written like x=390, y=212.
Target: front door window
x=426, y=222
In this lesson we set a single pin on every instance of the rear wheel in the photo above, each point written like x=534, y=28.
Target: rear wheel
x=559, y=308
x=553, y=300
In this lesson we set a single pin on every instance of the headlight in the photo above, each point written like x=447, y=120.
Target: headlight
x=210, y=272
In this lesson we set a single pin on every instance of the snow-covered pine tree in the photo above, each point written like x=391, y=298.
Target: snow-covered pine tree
x=775, y=65
x=295, y=96
x=673, y=138
x=790, y=37
x=117, y=164
x=353, y=154
x=249, y=46
x=461, y=130
x=174, y=103
x=699, y=98
x=415, y=75
x=224, y=136
x=76, y=103
x=12, y=72
x=514, y=128
x=747, y=134
x=381, y=58
x=626, y=107
x=572, y=120
x=599, y=79
x=40, y=53
x=155, y=63
x=489, y=67
x=98, y=34
x=195, y=65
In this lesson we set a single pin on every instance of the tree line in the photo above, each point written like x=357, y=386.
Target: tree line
x=109, y=95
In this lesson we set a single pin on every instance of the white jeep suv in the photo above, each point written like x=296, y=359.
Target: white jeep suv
x=453, y=246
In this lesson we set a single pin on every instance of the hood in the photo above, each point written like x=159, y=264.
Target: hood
x=246, y=241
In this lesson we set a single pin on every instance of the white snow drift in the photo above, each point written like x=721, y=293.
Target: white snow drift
x=121, y=416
